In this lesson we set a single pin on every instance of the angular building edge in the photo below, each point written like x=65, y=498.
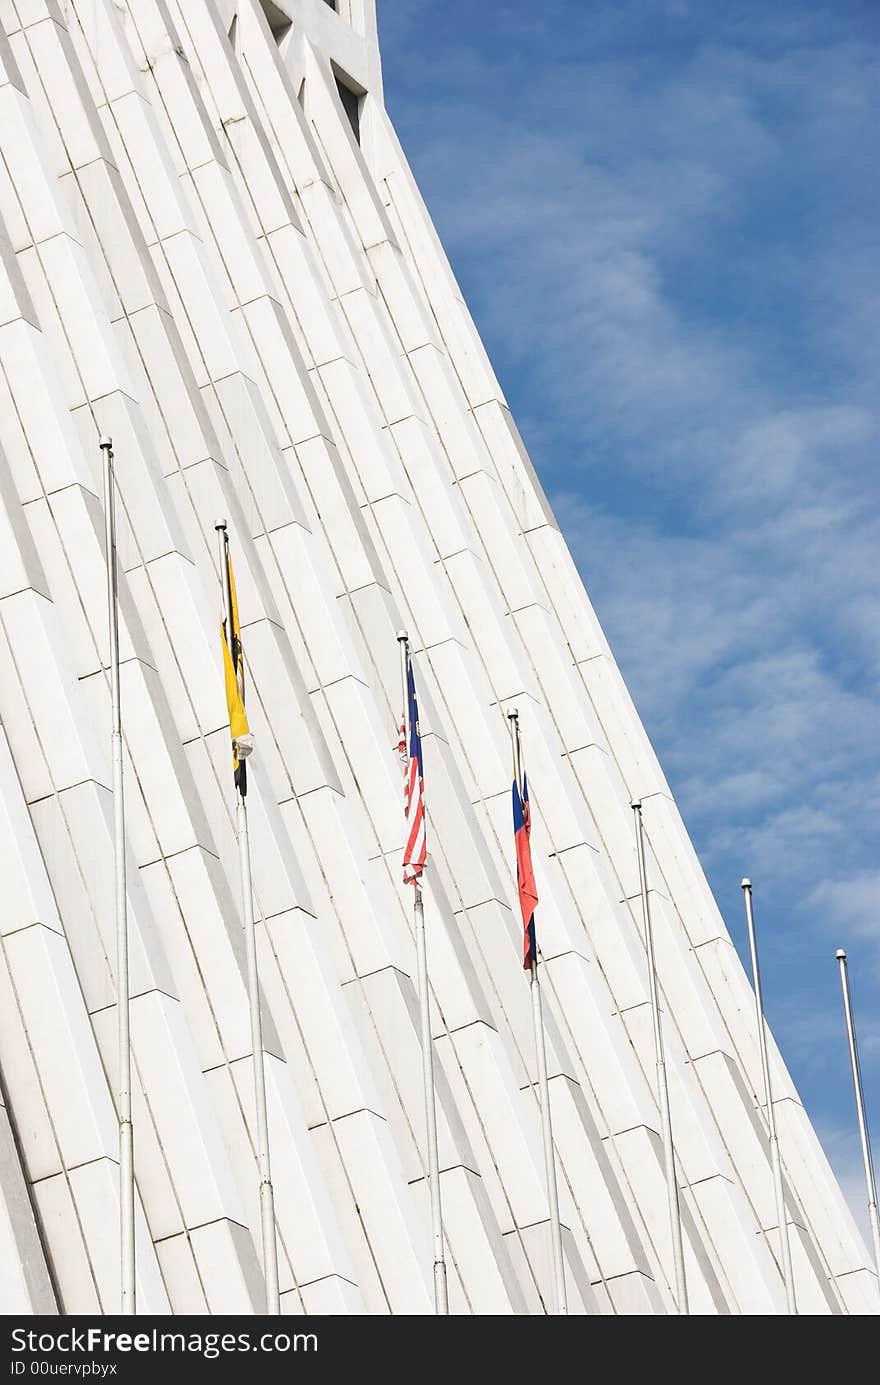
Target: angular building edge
x=202, y=258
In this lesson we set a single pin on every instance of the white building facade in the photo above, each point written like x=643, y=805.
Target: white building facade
x=213, y=250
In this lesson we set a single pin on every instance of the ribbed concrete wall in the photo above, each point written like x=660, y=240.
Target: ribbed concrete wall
x=199, y=259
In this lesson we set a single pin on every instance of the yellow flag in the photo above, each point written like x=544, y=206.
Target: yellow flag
x=233, y=674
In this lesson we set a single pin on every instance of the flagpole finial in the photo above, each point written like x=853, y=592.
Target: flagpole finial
x=221, y=524
x=105, y=442
x=745, y=883
x=840, y=954
x=403, y=637
x=636, y=805
x=513, y=715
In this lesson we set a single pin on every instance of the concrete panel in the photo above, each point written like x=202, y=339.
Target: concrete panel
x=199, y=257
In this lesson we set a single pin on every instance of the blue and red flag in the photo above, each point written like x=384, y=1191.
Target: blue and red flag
x=525, y=876
x=415, y=851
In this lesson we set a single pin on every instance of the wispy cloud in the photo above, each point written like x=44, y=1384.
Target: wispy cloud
x=852, y=906
x=664, y=218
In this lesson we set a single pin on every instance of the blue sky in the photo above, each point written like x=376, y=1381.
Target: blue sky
x=664, y=217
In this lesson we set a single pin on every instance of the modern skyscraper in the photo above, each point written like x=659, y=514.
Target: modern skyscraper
x=214, y=252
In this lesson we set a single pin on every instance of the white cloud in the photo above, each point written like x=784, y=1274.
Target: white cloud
x=671, y=252
x=852, y=906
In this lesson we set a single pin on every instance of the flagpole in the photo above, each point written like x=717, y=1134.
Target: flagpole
x=267, y=1196
x=441, y=1296
x=543, y=1084
x=860, y=1107
x=681, y=1293
x=775, y=1162
x=127, y=1288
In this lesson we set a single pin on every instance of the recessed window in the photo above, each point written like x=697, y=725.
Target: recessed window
x=351, y=104
x=277, y=20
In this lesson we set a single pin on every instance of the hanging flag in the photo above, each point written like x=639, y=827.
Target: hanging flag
x=415, y=851
x=525, y=876
x=233, y=673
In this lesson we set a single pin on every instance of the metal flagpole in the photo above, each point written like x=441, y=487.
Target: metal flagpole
x=441, y=1297
x=860, y=1107
x=775, y=1163
x=681, y=1293
x=267, y=1196
x=547, y=1132
x=543, y=1084
x=123, y=1001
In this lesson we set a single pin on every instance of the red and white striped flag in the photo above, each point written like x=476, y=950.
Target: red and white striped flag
x=415, y=851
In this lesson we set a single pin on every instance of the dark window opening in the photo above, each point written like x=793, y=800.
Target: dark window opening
x=277, y=20
x=351, y=104
x=333, y=5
